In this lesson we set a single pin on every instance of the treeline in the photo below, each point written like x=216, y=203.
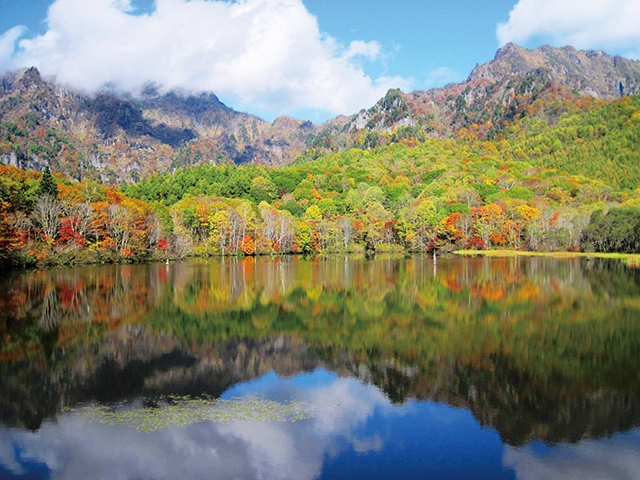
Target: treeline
x=440, y=195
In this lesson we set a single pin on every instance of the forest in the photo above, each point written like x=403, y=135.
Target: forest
x=540, y=185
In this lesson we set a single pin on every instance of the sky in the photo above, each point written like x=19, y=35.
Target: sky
x=310, y=59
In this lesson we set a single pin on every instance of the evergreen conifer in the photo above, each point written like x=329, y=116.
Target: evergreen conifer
x=47, y=184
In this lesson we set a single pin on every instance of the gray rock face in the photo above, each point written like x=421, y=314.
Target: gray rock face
x=587, y=72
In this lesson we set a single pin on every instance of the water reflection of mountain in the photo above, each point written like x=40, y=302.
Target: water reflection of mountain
x=519, y=408
x=134, y=362
x=536, y=349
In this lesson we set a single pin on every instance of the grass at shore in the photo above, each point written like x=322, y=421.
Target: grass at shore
x=631, y=259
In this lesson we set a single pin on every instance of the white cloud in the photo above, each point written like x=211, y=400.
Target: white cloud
x=369, y=50
x=259, y=55
x=616, y=458
x=7, y=42
x=598, y=24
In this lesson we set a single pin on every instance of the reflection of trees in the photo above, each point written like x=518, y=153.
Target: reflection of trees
x=527, y=334
x=51, y=312
x=545, y=315
x=73, y=303
x=523, y=408
x=137, y=363
x=133, y=362
x=522, y=343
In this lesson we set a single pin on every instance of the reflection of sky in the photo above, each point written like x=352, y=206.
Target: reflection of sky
x=355, y=432
x=611, y=459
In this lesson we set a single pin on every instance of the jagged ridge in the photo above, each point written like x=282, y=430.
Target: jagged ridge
x=118, y=138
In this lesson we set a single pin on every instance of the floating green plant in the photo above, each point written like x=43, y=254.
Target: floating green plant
x=176, y=410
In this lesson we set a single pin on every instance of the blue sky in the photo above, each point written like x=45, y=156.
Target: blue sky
x=419, y=38
x=310, y=59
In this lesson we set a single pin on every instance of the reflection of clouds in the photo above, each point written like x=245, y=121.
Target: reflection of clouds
x=273, y=449
x=7, y=454
x=342, y=405
x=74, y=448
x=373, y=444
x=296, y=450
x=616, y=458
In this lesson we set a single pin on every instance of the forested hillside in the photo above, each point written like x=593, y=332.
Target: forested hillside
x=600, y=143
x=571, y=186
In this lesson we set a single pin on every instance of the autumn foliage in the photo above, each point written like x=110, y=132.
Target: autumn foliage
x=396, y=196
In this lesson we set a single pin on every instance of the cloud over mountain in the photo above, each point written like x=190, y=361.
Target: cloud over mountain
x=608, y=24
x=259, y=55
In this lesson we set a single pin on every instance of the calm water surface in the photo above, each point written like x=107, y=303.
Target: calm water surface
x=304, y=369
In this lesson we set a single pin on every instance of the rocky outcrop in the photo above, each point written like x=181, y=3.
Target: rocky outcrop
x=586, y=72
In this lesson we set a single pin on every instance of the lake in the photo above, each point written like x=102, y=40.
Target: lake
x=288, y=368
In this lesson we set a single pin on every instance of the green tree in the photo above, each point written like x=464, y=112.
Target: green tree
x=47, y=184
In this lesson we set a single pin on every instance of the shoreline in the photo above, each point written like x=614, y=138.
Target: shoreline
x=631, y=259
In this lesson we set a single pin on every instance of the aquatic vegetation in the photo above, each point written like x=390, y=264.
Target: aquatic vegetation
x=173, y=411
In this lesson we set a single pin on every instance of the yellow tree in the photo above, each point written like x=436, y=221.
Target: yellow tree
x=220, y=228
x=375, y=217
x=514, y=229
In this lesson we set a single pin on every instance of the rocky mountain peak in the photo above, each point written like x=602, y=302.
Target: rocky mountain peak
x=30, y=79
x=509, y=50
x=585, y=72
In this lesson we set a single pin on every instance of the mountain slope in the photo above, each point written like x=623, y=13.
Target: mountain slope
x=504, y=90
x=120, y=138
x=602, y=143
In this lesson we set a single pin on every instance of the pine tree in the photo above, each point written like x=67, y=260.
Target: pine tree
x=47, y=184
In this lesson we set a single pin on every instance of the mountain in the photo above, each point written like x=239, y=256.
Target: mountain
x=586, y=72
x=515, y=83
x=118, y=138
